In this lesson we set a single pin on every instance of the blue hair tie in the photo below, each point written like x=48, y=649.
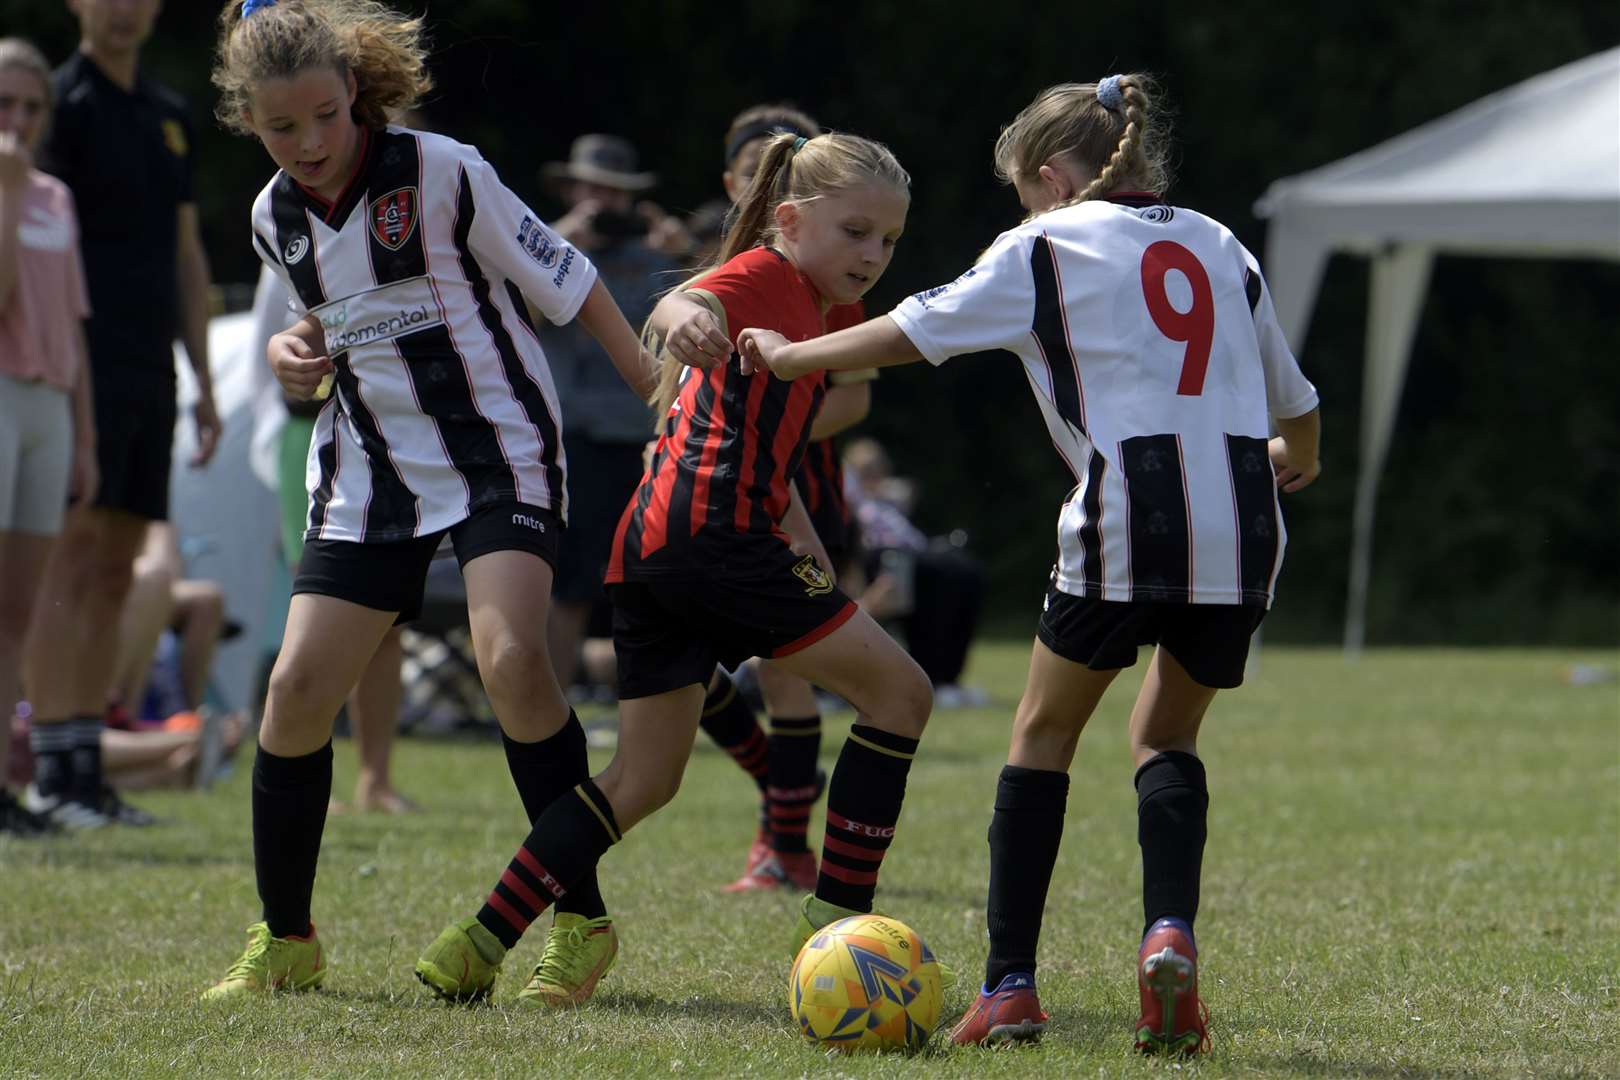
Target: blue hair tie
x=250, y=6
x=798, y=144
x=1108, y=91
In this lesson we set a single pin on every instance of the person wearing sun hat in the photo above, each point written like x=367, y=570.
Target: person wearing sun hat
x=605, y=425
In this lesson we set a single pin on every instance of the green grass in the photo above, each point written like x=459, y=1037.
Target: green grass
x=1413, y=870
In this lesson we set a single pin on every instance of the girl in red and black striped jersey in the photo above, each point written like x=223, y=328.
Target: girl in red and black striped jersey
x=783, y=763
x=703, y=573
x=414, y=268
x=1150, y=341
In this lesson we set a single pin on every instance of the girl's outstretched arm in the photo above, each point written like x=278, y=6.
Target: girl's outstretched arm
x=688, y=331
x=877, y=342
x=601, y=317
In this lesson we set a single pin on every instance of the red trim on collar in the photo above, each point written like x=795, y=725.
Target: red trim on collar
x=348, y=186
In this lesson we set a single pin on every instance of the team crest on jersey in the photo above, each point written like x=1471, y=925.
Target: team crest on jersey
x=393, y=217
x=816, y=581
x=532, y=235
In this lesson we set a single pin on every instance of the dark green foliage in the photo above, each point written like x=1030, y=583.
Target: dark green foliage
x=1499, y=508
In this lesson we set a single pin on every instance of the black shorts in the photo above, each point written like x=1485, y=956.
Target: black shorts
x=601, y=479
x=134, y=448
x=670, y=634
x=1210, y=640
x=389, y=576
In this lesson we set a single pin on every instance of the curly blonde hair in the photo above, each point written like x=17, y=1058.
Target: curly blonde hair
x=385, y=51
x=1124, y=148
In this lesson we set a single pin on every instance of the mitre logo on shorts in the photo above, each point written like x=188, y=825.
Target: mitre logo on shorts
x=532, y=236
x=393, y=217
x=816, y=581
x=528, y=521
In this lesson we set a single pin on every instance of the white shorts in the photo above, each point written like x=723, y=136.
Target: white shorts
x=36, y=456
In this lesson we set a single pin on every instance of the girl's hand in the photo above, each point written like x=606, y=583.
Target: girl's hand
x=1291, y=475
x=696, y=340
x=761, y=350
x=301, y=373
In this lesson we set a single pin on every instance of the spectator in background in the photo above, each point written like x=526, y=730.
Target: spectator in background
x=47, y=435
x=122, y=144
x=933, y=590
x=605, y=426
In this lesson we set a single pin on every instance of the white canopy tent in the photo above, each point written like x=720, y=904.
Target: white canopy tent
x=1533, y=170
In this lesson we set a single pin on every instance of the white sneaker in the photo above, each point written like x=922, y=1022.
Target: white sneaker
x=64, y=812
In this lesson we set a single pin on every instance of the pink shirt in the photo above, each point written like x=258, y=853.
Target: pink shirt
x=39, y=323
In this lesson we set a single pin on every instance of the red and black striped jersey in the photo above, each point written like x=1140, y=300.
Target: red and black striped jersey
x=718, y=480
x=821, y=476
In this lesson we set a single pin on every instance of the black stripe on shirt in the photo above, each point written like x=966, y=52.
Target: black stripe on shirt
x=1251, y=288
x=1091, y=539
x=439, y=374
x=392, y=512
x=1049, y=332
x=295, y=236
x=524, y=388
x=1254, y=502
x=327, y=459
x=1156, y=498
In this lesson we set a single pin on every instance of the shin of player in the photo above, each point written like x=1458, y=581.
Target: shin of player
x=415, y=268
x=701, y=572
x=1149, y=338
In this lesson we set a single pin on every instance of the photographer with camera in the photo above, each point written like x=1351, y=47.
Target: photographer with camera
x=605, y=426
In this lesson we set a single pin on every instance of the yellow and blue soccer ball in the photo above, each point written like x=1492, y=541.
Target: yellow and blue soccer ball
x=866, y=983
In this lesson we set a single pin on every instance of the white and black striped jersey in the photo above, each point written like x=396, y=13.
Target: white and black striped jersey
x=1148, y=336
x=443, y=402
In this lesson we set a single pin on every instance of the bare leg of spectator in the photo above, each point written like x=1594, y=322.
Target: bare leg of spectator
x=374, y=720
x=565, y=634
x=200, y=609
x=72, y=650
x=148, y=611
x=22, y=563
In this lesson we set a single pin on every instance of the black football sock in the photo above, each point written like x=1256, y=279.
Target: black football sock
x=289, y=813
x=567, y=841
x=1172, y=807
x=545, y=771
x=731, y=724
x=1025, y=831
x=863, y=804
x=51, y=742
x=85, y=784
x=794, y=744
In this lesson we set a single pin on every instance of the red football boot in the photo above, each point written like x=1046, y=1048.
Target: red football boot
x=779, y=870
x=1009, y=1013
x=1173, y=1020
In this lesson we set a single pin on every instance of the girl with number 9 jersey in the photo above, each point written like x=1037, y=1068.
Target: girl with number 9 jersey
x=1148, y=336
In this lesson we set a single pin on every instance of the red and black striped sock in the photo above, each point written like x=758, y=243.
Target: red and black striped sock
x=794, y=743
x=567, y=840
x=544, y=772
x=731, y=724
x=863, y=803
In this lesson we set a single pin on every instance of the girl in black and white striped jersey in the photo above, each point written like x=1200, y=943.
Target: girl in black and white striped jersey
x=1149, y=338
x=414, y=270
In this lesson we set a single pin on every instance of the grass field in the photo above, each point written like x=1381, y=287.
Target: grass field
x=1413, y=870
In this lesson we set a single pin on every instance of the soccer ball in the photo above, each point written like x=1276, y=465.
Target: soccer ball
x=866, y=983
